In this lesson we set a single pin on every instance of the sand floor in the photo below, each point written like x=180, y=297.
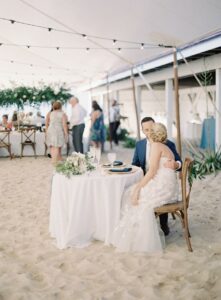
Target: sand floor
x=31, y=267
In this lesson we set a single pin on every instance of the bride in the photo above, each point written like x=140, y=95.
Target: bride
x=137, y=230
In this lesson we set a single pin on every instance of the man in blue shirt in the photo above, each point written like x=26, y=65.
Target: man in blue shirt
x=141, y=157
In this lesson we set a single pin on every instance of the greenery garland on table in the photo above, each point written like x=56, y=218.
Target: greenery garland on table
x=22, y=95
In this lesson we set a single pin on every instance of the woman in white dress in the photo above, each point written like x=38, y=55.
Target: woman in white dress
x=137, y=230
x=56, y=131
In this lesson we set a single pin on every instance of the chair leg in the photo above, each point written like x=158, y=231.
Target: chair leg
x=186, y=232
x=9, y=150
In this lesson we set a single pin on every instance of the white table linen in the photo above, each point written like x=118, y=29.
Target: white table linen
x=87, y=207
x=15, y=141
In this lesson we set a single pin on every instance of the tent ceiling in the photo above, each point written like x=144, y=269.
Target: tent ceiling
x=159, y=21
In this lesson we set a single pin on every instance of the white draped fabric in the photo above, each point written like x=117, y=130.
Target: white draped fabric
x=87, y=207
x=15, y=140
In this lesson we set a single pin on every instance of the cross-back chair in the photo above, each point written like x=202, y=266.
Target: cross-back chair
x=5, y=141
x=28, y=138
x=180, y=209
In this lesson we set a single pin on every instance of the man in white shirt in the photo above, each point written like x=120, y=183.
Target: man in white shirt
x=77, y=124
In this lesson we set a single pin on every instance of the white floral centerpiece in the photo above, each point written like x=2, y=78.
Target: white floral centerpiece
x=76, y=164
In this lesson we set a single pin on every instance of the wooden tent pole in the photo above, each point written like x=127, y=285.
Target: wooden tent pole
x=135, y=105
x=108, y=112
x=176, y=88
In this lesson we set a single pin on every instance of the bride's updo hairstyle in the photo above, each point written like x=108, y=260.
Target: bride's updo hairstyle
x=158, y=133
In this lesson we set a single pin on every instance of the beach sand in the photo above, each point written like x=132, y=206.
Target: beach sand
x=31, y=267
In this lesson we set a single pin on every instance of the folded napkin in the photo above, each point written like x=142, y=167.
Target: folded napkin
x=115, y=164
x=118, y=163
x=121, y=170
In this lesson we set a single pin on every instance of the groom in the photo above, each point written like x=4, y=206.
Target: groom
x=141, y=156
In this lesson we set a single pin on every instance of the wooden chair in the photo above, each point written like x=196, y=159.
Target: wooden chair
x=5, y=141
x=28, y=138
x=180, y=208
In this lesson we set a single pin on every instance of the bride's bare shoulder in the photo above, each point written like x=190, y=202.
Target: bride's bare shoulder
x=157, y=144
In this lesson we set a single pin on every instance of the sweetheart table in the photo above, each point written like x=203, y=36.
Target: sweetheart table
x=87, y=207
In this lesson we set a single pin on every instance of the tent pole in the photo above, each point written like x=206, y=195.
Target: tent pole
x=135, y=105
x=176, y=87
x=108, y=111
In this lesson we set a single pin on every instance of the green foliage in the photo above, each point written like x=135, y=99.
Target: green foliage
x=22, y=95
x=124, y=133
x=205, y=163
x=129, y=142
x=206, y=78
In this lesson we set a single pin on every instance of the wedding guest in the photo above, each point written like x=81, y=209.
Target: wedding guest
x=47, y=120
x=5, y=123
x=114, y=121
x=97, y=132
x=77, y=124
x=141, y=159
x=56, y=131
x=37, y=120
x=28, y=119
x=21, y=117
x=15, y=119
x=137, y=231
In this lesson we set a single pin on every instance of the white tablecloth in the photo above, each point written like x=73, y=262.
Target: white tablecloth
x=87, y=207
x=15, y=140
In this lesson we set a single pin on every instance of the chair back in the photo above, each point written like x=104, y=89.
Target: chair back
x=186, y=185
x=4, y=138
x=28, y=135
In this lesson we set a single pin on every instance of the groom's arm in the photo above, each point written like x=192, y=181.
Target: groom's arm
x=177, y=158
x=136, y=161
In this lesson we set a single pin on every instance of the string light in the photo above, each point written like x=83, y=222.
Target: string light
x=73, y=48
x=33, y=65
x=79, y=34
x=119, y=50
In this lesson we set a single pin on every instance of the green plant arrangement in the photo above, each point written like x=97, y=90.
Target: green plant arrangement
x=205, y=163
x=76, y=164
x=22, y=95
x=129, y=142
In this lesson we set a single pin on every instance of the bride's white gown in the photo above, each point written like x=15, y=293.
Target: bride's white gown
x=137, y=230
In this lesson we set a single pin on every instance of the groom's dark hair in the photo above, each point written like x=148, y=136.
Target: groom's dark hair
x=147, y=119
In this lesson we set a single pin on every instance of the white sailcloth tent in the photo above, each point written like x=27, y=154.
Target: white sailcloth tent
x=82, y=52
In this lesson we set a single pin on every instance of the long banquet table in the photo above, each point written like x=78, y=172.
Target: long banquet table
x=15, y=141
x=87, y=207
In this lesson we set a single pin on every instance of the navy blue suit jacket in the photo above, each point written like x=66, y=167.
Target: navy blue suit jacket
x=139, y=158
